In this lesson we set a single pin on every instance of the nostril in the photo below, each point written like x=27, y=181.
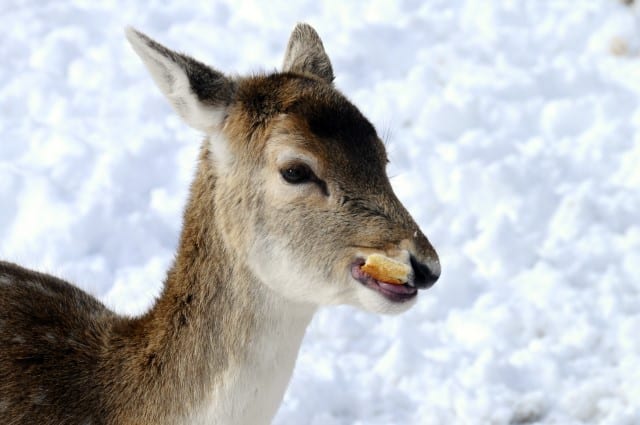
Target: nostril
x=423, y=277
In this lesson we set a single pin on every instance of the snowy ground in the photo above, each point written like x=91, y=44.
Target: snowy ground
x=513, y=128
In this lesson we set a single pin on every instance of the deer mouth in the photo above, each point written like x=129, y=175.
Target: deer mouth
x=392, y=292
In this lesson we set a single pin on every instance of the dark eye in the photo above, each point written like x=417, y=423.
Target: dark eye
x=297, y=173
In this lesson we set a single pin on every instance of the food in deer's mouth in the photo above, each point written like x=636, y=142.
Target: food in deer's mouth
x=386, y=270
x=392, y=291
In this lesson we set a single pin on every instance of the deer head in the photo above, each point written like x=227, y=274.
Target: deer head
x=301, y=194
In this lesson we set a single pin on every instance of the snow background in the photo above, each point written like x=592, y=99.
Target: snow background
x=513, y=132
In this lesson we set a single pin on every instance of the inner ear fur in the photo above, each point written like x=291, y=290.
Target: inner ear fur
x=305, y=54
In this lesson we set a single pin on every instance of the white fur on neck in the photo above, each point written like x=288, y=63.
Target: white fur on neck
x=219, y=148
x=255, y=381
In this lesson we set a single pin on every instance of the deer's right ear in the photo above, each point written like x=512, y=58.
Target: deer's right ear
x=198, y=93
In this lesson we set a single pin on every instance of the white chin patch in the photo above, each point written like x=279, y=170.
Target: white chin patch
x=374, y=302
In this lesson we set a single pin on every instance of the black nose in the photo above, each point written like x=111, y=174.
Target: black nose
x=423, y=276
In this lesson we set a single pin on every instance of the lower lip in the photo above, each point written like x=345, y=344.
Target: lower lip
x=392, y=295
x=395, y=293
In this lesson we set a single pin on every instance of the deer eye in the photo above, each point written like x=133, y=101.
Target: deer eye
x=297, y=173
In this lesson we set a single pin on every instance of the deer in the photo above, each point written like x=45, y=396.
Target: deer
x=290, y=196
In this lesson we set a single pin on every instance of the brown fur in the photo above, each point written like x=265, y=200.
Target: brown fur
x=117, y=370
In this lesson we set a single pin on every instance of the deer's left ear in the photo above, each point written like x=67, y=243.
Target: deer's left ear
x=305, y=54
x=198, y=93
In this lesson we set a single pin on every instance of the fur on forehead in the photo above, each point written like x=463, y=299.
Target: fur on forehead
x=310, y=106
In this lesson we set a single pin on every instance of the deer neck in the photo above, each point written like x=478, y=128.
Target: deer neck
x=225, y=342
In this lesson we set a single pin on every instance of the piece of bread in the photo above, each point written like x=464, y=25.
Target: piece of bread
x=386, y=269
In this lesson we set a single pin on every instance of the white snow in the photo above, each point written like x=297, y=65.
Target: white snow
x=513, y=129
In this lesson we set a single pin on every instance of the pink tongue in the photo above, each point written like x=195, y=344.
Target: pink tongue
x=397, y=289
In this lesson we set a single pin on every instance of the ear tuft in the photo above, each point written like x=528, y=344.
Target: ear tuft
x=305, y=54
x=198, y=93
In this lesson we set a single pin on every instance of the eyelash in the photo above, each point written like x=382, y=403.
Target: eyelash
x=301, y=174
x=297, y=174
